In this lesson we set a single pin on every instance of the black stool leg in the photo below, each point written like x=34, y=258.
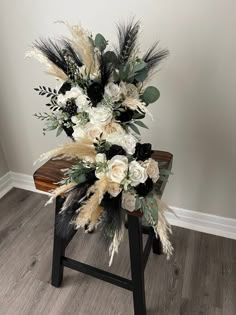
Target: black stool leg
x=137, y=266
x=59, y=247
x=156, y=245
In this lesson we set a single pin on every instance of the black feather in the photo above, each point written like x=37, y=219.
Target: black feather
x=71, y=52
x=72, y=202
x=127, y=36
x=114, y=216
x=154, y=56
x=106, y=69
x=53, y=52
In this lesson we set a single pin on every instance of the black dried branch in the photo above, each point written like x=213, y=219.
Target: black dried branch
x=154, y=56
x=53, y=52
x=48, y=92
x=127, y=36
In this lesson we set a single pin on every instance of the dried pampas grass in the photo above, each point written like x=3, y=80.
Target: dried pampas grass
x=59, y=191
x=51, y=68
x=84, y=47
x=83, y=149
x=90, y=209
x=163, y=228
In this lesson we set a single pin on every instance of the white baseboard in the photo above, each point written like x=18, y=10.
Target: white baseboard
x=198, y=221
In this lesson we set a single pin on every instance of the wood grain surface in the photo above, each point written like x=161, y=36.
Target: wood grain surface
x=200, y=279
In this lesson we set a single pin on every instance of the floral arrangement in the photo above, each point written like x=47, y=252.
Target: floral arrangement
x=100, y=104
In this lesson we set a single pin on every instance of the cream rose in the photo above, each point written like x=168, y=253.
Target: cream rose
x=100, y=158
x=113, y=90
x=100, y=115
x=114, y=189
x=152, y=169
x=117, y=168
x=137, y=173
x=128, y=201
x=93, y=131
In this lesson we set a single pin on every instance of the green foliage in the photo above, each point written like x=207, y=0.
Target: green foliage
x=150, y=209
x=101, y=145
x=140, y=124
x=133, y=70
x=100, y=42
x=76, y=173
x=134, y=128
x=150, y=95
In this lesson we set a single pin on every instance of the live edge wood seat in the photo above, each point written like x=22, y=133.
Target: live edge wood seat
x=46, y=179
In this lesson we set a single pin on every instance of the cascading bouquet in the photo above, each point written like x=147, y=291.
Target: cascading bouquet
x=100, y=104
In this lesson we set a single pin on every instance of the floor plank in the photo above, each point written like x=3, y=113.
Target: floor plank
x=200, y=278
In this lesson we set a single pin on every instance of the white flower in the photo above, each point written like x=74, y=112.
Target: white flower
x=114, y=189
x=78, y=133
x=152, y=169
x=127, y=141
x=113, y=90
x=82, y=103
x=73, y=93
x=100, y=158
x=100, y=115
x=117, y=168
x=137, y=173
x=128, y=201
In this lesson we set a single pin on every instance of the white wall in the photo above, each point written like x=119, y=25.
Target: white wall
x=195, y=116
x=3, y=163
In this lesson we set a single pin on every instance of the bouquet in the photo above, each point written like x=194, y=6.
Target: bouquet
x=100, y=103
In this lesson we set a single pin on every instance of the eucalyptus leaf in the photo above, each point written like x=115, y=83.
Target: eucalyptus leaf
x=141, y=124
x=139, y=66
x=141, y=75
x=150, y=95
x=100, y=42
x=134, y=128
x=59, y=131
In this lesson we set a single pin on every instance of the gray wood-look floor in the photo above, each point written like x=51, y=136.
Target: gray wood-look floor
x=199, y=279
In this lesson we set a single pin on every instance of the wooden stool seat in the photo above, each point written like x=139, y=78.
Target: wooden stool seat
x=46, y=179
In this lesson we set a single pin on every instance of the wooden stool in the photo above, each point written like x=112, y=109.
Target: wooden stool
x=46, y=178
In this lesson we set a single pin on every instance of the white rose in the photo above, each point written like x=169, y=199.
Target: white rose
x=78, y=133
x=152, y=169
x=82, y=103
x=93, y=131
x=114, y=189
x=137, y=173
x=128, y=201
x=117, y=168
x=113, y=90
x=100, y=158
x=100, y=115
x=127, y=141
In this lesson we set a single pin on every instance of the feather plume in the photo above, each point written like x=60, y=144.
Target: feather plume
x=53, y=52
x=83, y=149
x=71, y=52
x=82, y=44
x=163, y=228
x=154, y=56
x=106, y=69
x=92, y=203
x=127, y=35
x=52, y=69
x=72, y=202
